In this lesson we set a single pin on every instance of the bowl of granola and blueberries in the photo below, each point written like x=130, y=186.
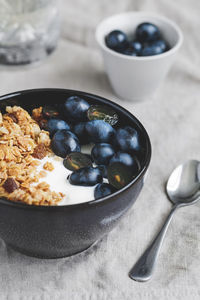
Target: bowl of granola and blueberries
x=68, y=155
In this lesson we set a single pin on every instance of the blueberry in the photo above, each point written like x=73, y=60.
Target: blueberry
x=127, y=139
x=154, y=48
x=64, y=142
x=102, y=153
x=103, y=190
x=102, y=112
x=127, y=160
x=119, y=175
x=99, y=131
x=89, y=156
x=103, y=170
x=130, y=51
x=116, y=40
x=162, y=44
x=137, y=46
x=54, y=125
x=50, y=112
x=87, y=176
x=75, y=108
x=80, y=132
x=147, y=32
x=77, y=160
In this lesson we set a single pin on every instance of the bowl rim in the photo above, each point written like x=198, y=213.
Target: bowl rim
x=95, y=201
x=101, y=43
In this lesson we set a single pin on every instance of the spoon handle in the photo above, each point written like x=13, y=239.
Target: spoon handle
x=143, y=269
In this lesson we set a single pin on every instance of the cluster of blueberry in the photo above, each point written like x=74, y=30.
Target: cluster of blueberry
x=113, y=155
x=148, y=41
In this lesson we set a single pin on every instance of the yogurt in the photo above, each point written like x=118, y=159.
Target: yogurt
x=57, y=179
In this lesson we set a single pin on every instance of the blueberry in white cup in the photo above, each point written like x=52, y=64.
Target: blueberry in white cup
x=135, y=73
x=117, y=40
x=147, y=41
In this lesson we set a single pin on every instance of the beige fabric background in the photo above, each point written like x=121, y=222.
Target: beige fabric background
x=173, y=122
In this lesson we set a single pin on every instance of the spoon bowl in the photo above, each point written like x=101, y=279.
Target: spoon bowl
x=183, y=186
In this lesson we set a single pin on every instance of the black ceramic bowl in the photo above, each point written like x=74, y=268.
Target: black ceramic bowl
x=59, y=231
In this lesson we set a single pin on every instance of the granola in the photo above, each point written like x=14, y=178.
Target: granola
x=48, y=166
x=22, y=143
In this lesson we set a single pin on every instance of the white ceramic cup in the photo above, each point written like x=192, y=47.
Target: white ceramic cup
x=133, y=77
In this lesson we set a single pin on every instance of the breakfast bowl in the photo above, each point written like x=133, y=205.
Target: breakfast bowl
x=63, y=230
x=136, y=78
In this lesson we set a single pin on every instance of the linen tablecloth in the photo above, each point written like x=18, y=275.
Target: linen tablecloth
x=172, y=120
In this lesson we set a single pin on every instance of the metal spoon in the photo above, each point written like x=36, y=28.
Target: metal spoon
x=183, y=188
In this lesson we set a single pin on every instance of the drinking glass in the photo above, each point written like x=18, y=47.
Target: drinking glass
x=29, y=30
